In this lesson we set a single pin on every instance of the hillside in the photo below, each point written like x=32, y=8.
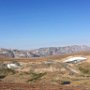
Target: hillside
x=46, y=75
x=42, y=52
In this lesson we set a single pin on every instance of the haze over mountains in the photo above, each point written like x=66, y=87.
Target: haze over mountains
x=42, y=52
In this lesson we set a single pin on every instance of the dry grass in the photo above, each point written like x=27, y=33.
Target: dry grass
x=53, y=76
x=40, y=59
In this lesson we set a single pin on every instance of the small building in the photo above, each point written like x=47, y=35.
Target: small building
x=75, y=60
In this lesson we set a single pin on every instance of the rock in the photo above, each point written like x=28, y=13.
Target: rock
x=43, y=52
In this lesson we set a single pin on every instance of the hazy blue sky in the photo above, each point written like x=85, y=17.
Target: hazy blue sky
x=28, y=24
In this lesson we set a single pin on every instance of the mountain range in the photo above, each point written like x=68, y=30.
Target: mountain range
x=42, y=52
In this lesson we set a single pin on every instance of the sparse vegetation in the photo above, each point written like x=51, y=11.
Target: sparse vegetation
x=2, y=76
x=36, y=72
x=36, y=76
x=7, y=71
x=85, y=68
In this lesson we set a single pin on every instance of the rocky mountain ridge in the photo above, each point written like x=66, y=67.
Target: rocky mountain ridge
x=42, y=52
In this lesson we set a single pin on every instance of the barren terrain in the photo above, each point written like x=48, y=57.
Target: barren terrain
x=47, y=73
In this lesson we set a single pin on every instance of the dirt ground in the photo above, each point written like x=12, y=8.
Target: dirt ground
x=22, y=86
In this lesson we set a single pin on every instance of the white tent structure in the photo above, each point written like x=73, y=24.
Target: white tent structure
x=75, y=60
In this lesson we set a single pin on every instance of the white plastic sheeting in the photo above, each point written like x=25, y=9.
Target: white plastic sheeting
x=75, y=59
x=12, y=66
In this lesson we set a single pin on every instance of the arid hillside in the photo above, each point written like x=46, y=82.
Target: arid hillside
x=43, y=52
x=45, y=73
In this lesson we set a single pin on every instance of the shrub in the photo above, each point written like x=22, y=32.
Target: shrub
x=6, y=71
x=36, y=76
x=84, y=70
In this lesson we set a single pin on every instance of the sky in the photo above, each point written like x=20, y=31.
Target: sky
x=31, y=24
